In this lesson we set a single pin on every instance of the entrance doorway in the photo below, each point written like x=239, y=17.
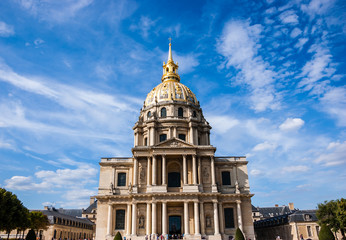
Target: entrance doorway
x=174, y=227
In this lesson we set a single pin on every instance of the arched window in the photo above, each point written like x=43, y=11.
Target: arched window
x=174, y=179
x=149, y=114
x=180, y=112
x=163, y=112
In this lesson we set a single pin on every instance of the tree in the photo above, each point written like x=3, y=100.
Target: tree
x=31, y=235
x=12, y=211
x=239, y=235
x=38, y=221
x=332, y=214
x=325, y=233
x=117, y=236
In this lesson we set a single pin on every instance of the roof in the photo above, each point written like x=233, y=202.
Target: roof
x=91, y=207
x=303, y=216
x=268, y=212
x=52, y=212
x=71, y=212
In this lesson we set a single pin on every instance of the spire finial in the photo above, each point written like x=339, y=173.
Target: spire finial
x=170, y=50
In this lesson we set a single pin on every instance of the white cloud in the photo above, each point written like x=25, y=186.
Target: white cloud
x=144, y=26
x=335, y=154
x=187, y=62
x=255, y=172
x=317, y=7
x=334, y=103
x=319, y=67
x=265, y=146
x=298, y=168
x=239, y=45
x=289, y=17
x=222, y=124
x=47, y=181
x=6, y=30
x=292, y=124
x=58, y=11
x=6, y=144
x=295, y=32
x=301, y=42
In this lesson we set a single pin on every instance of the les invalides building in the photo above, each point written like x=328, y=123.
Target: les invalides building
x=173, y=185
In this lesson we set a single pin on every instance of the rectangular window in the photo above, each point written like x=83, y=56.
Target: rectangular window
x=229, y=217
x=120, y=219
x=318, y=230
x=145, y=141
x=182, y=136
x=121, y=179
x=163, y=137
x=226, y=178
x=309, y=231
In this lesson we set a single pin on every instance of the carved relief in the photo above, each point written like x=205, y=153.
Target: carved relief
x=206, y=174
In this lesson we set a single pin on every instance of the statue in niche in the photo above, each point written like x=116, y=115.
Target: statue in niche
x=206, y=174
x=141, y=222
x=142, y=175
x=208, y=221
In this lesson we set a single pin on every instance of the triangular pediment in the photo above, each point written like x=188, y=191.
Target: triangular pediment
x=173, y=143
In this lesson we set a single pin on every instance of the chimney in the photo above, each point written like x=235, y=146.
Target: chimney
x=45, y=208
x=92, y=200
x=276, y=205
x=291, y=205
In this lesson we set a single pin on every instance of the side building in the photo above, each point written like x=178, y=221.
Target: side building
x=173, y=184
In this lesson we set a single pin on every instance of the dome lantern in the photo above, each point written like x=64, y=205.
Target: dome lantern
x=170, y=69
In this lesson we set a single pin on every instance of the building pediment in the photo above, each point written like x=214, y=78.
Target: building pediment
x=174, y=143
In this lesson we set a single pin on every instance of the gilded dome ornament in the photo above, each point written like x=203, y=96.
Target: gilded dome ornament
x=170, y=89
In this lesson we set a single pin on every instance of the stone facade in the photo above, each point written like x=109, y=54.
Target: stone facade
x=173, y=184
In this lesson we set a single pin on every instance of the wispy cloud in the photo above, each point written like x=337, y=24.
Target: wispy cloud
x=335, y=154
x=6, y=30
x=239, y=45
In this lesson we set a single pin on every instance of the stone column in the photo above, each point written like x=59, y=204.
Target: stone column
x=110, y=217
x=170, y=133
x=135, y=172
x=206, y=138
x=154, y=170
x=128, y=220
x=186, y=218
x=194, y=168
x=240, y=221
x=148, y=171
x=184, y=170
x=216, y=220
x=196, y=212
x=148, y=218
x=213, y=182
x=202, y=218
x=134, y=219
x=195, y=136
x=199, y=170
x=149, y=138
x=164, y=218
x=164, y=170
x=153, y=219
x=152, y=136
x=191, y=135
x=175, y=132
x=221, y=219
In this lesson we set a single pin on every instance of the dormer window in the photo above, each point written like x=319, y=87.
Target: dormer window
x=180, y=112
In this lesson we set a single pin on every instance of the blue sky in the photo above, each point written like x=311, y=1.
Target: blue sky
x=269, y=75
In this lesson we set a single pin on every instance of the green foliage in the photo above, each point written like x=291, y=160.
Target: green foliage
x=38, y=220
x=117, y=236
x=325, y=233
x=31, y=235
x=333, y=214
x=239, y=235
x=12, y=211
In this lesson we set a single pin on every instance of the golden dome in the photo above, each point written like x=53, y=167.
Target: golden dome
x=170, y=89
